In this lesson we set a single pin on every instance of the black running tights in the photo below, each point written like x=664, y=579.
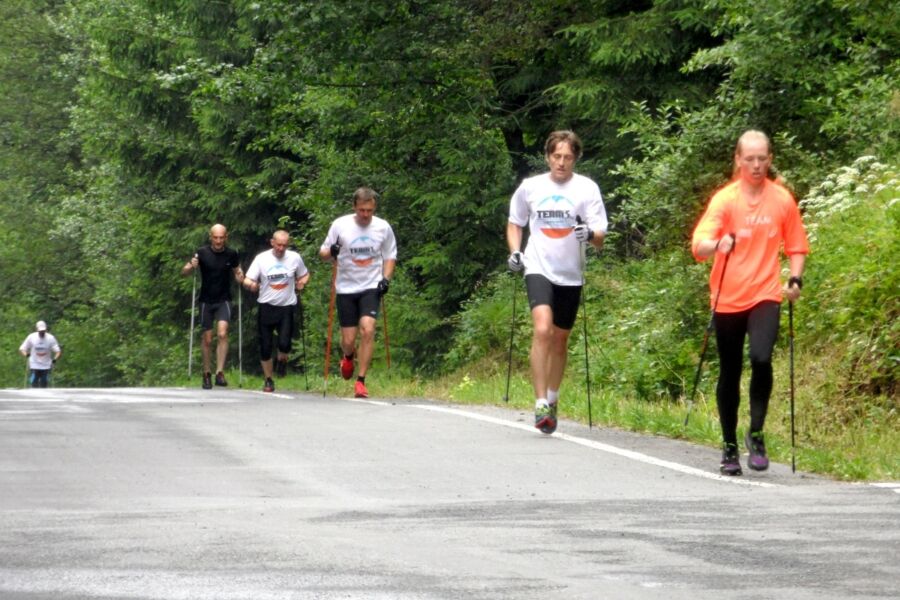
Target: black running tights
x=761, y=323
x=275, y=318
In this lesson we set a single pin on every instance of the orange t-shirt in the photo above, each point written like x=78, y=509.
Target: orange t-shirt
x=753, y=272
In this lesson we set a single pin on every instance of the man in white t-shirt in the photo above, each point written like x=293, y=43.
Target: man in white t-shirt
x=277, y=275
x=42, y=350
x=365, y=251
x=563, y=211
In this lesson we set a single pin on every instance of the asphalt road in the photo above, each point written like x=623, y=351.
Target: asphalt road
x=227, y=494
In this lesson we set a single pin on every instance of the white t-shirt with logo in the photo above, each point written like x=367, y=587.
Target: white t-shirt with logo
x=40, y=350
x=277, y=277
x=363, y=252
x=549, y=210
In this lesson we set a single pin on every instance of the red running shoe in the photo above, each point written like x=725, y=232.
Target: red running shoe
x=346, y=367
x=360, y=390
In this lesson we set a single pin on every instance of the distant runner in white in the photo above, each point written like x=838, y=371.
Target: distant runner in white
x=562, y=210
x=365, y=251
x=42, y=350
x=278, y=275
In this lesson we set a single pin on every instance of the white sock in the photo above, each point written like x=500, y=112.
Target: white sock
x=552, y=396
x=541, y=402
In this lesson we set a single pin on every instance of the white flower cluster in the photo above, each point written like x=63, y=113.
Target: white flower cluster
x=193, y=70
x=846, y=187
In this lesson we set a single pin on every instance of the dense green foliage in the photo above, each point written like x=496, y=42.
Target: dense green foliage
x=854, y=216
x=128, y=127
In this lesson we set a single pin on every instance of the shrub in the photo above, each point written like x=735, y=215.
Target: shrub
x=852, y=306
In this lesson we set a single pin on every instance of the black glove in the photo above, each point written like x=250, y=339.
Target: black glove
x=383, y=286
x=335, y=250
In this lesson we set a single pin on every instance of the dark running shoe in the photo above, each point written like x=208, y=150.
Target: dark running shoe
x=220, y=379
x=731, y=464
x=269, y=385
x=360, y=390
x=346, y=367
x=207, y=381
x=756, y=446
x=281, y=368
x=545, y=418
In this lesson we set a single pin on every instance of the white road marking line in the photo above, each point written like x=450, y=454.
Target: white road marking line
x=113, y=396
x=666, y=464
x=894, y=486
x=630, y=454
x=61, y=408
x=271, y=394
x=364, y=401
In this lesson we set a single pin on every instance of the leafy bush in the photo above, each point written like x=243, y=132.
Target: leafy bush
x=645, y=322
x=852, y=303
x=482, y=327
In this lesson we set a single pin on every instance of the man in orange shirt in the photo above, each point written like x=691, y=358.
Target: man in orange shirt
x=745, y=227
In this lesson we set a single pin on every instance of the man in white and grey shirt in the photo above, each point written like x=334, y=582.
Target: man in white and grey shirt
x=277, y=275
x=564, y=212
x=365, y=251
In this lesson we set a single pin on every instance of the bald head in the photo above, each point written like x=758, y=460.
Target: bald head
x=218, y=235
x=280, y=241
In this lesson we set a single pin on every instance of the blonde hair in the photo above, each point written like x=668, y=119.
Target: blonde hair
x=759, y=135
x=755, y=134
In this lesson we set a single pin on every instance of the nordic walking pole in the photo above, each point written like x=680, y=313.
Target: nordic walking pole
x=27, y=371
x=387, y=345
x=709, y=328
x=587, y=369
x=512, y=329
x=240, y=338
x=791, y=337
x=303, y=339
x=191, y=336
x=330, y=324
x=587, y=372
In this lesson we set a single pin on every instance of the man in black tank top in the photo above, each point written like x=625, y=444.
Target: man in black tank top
x=217, y=263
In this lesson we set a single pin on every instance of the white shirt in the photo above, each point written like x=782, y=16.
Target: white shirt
x=363, y=252
x=549, y=210
x=277, y=277
x=40, y=350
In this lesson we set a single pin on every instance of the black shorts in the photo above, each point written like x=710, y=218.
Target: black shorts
x=213, y=312
x=562, y=299
x=274, y=319
x=351, y=307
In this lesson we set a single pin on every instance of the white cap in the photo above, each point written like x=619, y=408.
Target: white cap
x=41, y=326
